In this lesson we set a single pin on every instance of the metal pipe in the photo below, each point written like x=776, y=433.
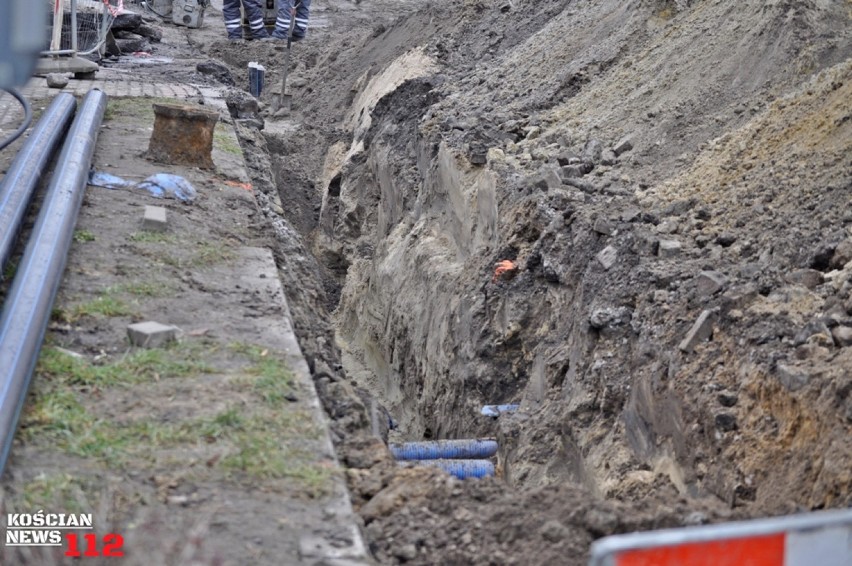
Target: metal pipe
x=438, y=449
x=74, y=26
x=26, y=312
x=18, y=186
x=462, y=469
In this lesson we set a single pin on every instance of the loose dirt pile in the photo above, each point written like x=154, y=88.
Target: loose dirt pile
x=672, y=180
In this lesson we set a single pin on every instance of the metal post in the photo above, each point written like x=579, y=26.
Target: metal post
x=74, y=26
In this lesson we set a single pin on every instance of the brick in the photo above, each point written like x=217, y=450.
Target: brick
x=150, y=334
x=154, y=219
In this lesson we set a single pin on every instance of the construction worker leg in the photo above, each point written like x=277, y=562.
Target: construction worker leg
x=254, y=15
x=303, y=13
x=282, y=21
x=231, y=11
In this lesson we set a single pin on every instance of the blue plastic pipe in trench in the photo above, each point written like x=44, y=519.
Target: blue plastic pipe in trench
x=462, y=469
x=444, y=449
x=19, y=184
x=26, y=311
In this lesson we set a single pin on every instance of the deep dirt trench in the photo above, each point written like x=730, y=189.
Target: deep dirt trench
x=646, y=165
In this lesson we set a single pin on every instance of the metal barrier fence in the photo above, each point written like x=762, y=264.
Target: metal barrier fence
x=811, y=539
x=79, y=27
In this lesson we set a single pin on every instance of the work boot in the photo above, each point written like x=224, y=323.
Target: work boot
x=259, y=34
x=236, y=39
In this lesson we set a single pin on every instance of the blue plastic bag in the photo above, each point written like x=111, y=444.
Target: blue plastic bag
x=161, y=185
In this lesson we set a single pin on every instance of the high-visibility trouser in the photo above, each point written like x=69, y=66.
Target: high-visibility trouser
x=303, y=13
x=254, y=14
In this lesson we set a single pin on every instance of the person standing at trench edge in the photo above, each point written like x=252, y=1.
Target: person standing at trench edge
x=282, y=23
x=233, y=20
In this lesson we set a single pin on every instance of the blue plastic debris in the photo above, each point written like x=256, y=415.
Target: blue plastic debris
x=497, y=410
x=462, y=469
x=161, y=185
x=440, y=449
x=108, y=181
x=169, y=186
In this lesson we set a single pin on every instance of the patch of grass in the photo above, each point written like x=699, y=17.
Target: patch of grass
x=262, y=450
x=139, y=366
x=208, y=254
x=104, y=305
x=82, y=236
x=140, y=107
x=58, y=417
x=268, y=376
x=153, y=237
x=226, y=143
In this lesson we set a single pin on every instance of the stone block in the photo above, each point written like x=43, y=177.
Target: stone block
x=709, y=283
x=701, y=330
x=810, y=278
x=604, y=226
x=607, y=256
x=625, y=144
x=842, y=336
x=56, y=80
x=154, y=219
x=669, y=248
x=150, y=334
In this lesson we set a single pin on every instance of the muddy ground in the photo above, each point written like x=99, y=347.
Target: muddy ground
x=646, y=165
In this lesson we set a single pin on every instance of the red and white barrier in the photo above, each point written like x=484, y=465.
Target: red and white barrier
x=813, y=539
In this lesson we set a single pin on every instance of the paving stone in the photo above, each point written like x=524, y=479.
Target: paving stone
x=549, y=178
x=607, y=256
x=154, y=219
x=625, y=144
x=604, y=226
x=709, y=283
x=669, y=248
x=700, y=331
x=150, y=334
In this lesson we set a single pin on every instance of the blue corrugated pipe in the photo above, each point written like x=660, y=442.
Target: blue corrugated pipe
x=18, y=186
x=497, y=410
x=26, y=311
x=462, y=469
x=437, y=449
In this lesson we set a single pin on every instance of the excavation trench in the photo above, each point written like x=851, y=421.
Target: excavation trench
x=651, y=326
